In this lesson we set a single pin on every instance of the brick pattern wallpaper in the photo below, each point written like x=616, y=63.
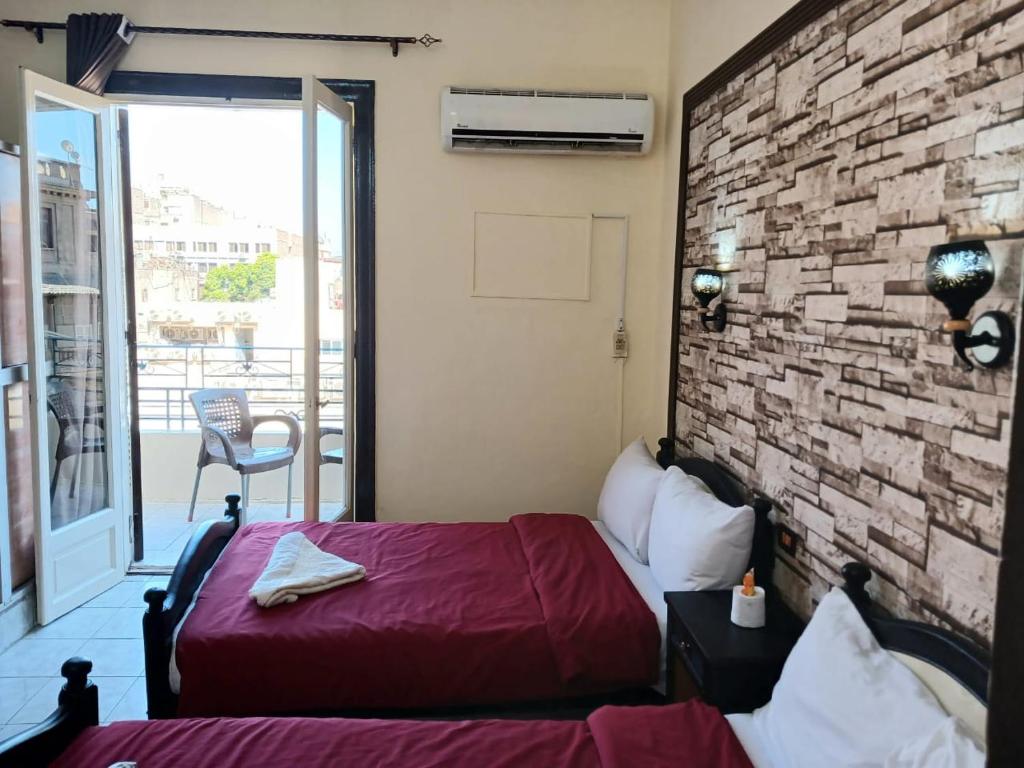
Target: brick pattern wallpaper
x=818, y=179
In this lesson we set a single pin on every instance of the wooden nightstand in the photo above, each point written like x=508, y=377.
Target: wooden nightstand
x=709, y=657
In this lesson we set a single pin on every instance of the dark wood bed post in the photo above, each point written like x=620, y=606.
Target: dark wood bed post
x=156, y=639
x=855, y=579
x=666, y=452
x=78, y=707
x=167, y=607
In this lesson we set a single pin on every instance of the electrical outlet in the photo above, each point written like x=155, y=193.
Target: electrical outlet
x=788, y=540
x=620, y=344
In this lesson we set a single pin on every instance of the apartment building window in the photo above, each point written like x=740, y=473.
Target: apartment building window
x=212, y=247
x=46, y=226
x=199, y=247
x=262, y=247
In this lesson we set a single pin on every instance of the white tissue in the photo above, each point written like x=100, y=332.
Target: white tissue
x=748, y=611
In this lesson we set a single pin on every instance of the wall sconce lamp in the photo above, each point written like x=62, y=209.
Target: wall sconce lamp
x=958, y=274
x=706, y=285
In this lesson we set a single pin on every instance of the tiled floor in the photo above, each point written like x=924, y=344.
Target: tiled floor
x=107, y=631
x=166, y=528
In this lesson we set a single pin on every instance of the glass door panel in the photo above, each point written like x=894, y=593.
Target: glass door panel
x=327, y=242
x=72, y=319
x=67, y=163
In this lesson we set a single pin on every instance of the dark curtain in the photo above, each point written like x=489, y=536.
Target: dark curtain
x=96, y=43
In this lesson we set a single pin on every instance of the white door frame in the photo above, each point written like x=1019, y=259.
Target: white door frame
x=55, y=598
x=314, y=95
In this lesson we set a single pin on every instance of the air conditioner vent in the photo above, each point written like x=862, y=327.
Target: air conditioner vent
x=491, y=92
x=495, y=144
x=547, y=94
x=546, y=121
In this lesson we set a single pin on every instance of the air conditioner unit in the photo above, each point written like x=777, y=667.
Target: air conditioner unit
x=546, y=122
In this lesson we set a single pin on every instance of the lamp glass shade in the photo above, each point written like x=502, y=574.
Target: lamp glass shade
x=958, y=274
x=706, y=285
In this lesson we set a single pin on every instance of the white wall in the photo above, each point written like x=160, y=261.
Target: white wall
x=485, y=407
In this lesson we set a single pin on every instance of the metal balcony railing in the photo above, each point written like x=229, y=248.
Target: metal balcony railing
x=271, y=376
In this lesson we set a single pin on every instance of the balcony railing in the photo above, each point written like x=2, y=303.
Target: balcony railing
x=271, y=376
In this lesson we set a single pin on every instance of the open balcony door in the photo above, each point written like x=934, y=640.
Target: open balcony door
x=76, y=347
x=329, y=302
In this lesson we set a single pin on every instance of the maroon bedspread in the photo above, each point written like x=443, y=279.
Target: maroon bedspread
x=449, y=615
x=690, y=735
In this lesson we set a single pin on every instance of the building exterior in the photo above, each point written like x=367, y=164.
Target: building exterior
x=186, y=342
x=173, y=221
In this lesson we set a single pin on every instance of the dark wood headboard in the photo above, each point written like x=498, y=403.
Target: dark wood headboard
x=731, y=491
x=957, y=656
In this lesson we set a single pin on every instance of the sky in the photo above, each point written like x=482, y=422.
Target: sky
x=61, y=132
x=246, y=159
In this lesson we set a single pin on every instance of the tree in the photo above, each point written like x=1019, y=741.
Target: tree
x=242, y=282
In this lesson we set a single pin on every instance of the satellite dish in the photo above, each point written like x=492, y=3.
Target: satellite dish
x=75, y=156
x=67, y=146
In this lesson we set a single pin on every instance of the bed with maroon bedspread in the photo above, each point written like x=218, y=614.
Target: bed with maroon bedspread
x=690, y=735
x=450, y=614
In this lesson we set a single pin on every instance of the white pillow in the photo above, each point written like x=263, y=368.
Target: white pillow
x=697, y=541
x=948, y=746
x=627, y=497
x=843, y=700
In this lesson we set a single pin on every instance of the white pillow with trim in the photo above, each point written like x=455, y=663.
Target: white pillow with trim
x=842, y=699
x=628, y=496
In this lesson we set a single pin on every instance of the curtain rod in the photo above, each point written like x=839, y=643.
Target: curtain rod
x=427, y=40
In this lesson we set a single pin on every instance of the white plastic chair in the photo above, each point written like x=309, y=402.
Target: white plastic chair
x=227, y=431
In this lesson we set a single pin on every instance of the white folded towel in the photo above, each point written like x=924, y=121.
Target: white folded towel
x=298, y=567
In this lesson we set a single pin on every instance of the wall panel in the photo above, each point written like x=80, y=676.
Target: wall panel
x=818, y=178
